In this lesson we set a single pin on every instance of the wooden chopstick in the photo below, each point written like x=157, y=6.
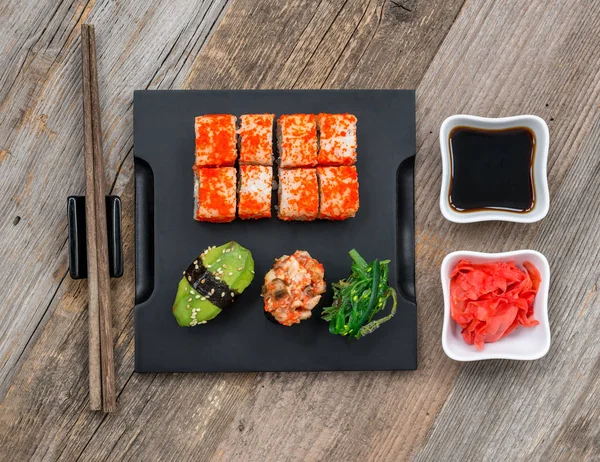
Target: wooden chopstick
x=97, y=244
x=95, y=378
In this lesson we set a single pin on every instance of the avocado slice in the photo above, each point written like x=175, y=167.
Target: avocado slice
x=212, y=282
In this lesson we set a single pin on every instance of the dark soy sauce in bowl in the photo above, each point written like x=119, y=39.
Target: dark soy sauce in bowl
x=491, y=169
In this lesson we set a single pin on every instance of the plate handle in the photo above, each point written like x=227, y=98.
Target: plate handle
x=144, y=231
x=406, y=229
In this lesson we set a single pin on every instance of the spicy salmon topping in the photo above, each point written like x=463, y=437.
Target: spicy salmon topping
x=293, y=287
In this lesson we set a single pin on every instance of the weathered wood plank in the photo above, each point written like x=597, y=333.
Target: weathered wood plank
x=83, y=433
x=548, y=409
x=498, y=59
x=330, y=44
x=42, y=163
x=504, y=59
x=41, y=132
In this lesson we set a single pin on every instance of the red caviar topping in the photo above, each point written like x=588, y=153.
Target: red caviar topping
x=256, y=139
x=339, y=192
x=337, y=139
x=216, y=194
x=298, y=140
x=255, y=191
x=215, y=140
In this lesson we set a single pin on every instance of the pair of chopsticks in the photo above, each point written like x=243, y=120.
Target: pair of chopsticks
x=101, y=357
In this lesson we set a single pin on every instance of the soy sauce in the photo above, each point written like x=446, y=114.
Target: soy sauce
x=492, y=169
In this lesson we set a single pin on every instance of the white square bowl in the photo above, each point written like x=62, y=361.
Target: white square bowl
x=540, y=180
x=524, y=343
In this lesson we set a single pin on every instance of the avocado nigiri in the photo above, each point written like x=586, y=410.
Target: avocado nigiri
x=212, y=282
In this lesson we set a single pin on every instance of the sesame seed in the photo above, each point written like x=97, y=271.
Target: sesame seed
x=218, y=260
x=184, y=273
x=195, y=262
x=240, y=268
x=197, y=267
x=252, y=271
x=203, y=281
x=230, y=274
x=190, y=299
x=224, y=265
x=203, y=299
x=222, y=294
x=197, y=296
x=232, y=294
x=191, y=292
x=203, y=322
x=212, y=291
x=240, y=257
x=190, y=278
x=209, y=266
x=188, y=306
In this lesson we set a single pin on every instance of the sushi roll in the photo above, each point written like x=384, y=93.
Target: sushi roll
x=298, y=194
x=297, y=140
x=337, y=139
x=256, y=139
x=338, y=192
x=293, y=287
x=215, y=140
x=255, y=187
x=214, y=194
x=212, y=282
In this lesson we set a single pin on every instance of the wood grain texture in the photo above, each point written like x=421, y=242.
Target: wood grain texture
x=94, y=354
x=499, y=58
x=141, y=45
x=504, y=59
x=216, y=398
x=547, y=409
x=107, y=362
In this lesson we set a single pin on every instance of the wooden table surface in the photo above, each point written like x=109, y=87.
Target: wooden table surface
x=490, y=58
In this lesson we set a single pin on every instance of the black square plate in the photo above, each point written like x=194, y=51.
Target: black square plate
x=168, y=239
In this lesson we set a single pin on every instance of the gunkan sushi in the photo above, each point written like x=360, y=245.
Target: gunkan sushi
x=337, y=139
x=293, y=287
x=298, y=194
x=297, y=140
x=214, y=194
x=338, y=189
x=212, y=282
x=216, y=143
x=256, y=139
x=255, y=186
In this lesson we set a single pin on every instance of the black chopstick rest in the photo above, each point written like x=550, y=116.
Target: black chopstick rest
x=77, y=236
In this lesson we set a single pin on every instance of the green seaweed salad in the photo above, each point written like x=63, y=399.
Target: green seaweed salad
x=357, y=299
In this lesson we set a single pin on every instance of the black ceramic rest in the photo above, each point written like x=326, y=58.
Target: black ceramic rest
x=77, y=237
x=168, y=239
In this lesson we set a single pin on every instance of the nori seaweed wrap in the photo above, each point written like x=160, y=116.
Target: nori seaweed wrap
x=212, y=282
